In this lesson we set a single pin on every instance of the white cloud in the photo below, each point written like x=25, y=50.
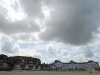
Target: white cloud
x=97, y=57
x=86, y=51
x=57, y=52
x=12, y=22
x=32, y=53
x=70, y=28
x=51, y=50
x=38, y=47
x=24, y=37
x=7, y=7
x=7, y=46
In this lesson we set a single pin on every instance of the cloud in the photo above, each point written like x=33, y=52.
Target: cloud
x=72, y=22
x=61, y=52
x=23, y=26
x=86, y=51
x=7, y=46
x=32, y=53
x=12, y=22
x=51, y=50
x=71, y=29
x=24, y=37
x=97, y=57
x=58, y=52
x=31, y=7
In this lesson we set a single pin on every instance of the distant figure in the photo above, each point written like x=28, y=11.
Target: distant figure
x=90, y=71
x=76, y=68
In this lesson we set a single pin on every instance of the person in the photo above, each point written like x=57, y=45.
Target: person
x=76, y=69
x=90, y=70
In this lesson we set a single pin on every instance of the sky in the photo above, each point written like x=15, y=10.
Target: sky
x=51, y=29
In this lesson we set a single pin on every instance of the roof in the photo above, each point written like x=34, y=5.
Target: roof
x=25, y=57
x=56, y=61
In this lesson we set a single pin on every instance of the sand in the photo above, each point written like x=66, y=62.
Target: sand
x=48, y=73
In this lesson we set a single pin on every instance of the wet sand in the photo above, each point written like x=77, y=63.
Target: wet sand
x=49, y=73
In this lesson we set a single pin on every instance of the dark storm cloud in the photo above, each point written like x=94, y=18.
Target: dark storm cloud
x=72, y=21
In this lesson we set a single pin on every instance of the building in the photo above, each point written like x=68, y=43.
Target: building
x=3, y=60
x=92, y=64
x=25, y=63
x=30, y=63
x=4, y=63
x=52, y=67
x=75, y=65
x=45, y=67
x=20, y=62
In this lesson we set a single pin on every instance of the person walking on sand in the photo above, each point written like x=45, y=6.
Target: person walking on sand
x=90, y=71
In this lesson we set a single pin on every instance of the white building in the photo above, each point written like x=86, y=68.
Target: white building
x=91, y=64
x=75, y=65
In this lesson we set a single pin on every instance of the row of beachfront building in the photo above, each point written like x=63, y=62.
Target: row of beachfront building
x=30, y=63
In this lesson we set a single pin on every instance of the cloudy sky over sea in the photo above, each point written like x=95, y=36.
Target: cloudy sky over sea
x=51, y=29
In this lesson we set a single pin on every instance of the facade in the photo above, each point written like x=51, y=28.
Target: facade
x=20, y=62
x=25, y=63
x=53, y=67
x=3, y=60
x=75, y=65
x=30, y=63
x=45, y=67
x=4, y=63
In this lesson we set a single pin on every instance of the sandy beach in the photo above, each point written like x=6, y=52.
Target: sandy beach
x=48, y=73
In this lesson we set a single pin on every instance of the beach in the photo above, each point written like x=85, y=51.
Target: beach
x=48, y=73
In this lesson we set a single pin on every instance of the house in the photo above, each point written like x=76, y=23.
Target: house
x=45, y=67
x=4, y=66
x=25, y=63
x=19, y=62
